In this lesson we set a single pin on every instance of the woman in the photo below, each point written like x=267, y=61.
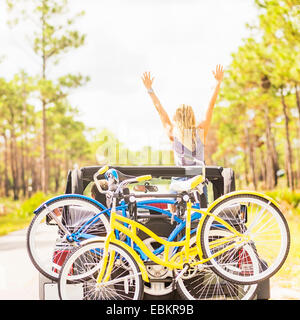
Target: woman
x=184, y=132
x=187, y=136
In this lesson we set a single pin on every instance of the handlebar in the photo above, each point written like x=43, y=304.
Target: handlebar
x=132, y=180
x=120, y=186
x=100, y=171
x=144, y=178
x=105, y=168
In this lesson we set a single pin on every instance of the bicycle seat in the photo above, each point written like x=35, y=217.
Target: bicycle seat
x=186, y=185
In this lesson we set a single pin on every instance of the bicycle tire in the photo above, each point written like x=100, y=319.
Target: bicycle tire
x=205, y=284
x=270, y=216
x=84, y=280
x=39, y=232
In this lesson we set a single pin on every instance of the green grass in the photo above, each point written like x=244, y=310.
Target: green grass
x=286, y=196
x=289, y=275
x=10, y=223
x=16, y=215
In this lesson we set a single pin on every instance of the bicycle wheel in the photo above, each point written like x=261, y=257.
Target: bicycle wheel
x=267, y=233
x=78, y=276
x=201, y=283
x=47, y=245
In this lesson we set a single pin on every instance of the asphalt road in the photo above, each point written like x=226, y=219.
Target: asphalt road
x=19, y=280
x=18, y=276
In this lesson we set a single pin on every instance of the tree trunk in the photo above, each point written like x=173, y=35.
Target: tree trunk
x=13, y=167
x=24, y=141
x=35, y=183
x=44, y=158
x=57, y=176
x=246, y=167
x=6, y=179
x=289, y=155
x=271, y=157
x=23, y=178
x=251, y=157
x=13, y=154
x=263, y=167
x=298, y=158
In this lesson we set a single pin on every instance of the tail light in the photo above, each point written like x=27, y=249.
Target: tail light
x=245, y=263
x=59, y=258
x=159, y=205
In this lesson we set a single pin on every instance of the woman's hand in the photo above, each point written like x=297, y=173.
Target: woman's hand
x=218, y=74
x=147, y=80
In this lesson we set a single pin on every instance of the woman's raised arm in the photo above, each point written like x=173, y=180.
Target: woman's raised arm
x=218, y=74
x=167, y=124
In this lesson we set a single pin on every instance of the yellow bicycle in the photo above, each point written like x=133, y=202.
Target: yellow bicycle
x=242, y=237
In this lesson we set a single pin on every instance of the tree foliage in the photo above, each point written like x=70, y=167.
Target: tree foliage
x=258, y=118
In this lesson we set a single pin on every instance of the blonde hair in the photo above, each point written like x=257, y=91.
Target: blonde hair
x=185, y=120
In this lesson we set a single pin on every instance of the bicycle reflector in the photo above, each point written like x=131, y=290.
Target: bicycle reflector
x=245, y=263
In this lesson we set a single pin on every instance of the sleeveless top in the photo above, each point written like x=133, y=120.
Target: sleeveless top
x=186, y=157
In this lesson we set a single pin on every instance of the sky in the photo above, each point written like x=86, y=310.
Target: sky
x=179, y=41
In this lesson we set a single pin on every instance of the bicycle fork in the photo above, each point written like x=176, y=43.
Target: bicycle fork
x=68, y=234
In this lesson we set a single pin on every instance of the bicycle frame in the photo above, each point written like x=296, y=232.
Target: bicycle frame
x=178, y=260
x=144, y=204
